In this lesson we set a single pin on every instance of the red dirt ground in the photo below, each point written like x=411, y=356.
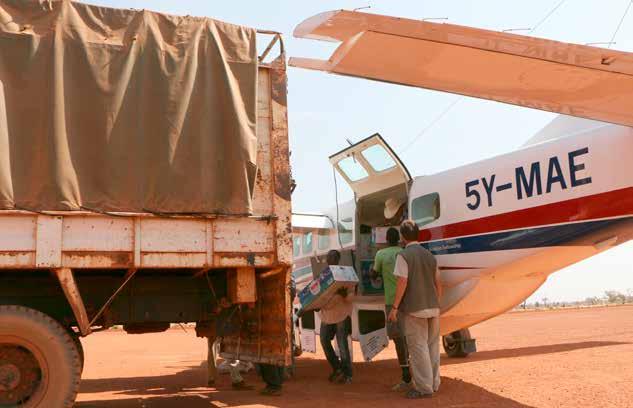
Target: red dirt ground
x=567, y=358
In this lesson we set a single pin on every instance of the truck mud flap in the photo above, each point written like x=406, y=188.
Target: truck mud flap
x=265, y=327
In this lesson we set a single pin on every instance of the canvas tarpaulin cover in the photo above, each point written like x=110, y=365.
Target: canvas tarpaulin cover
x=125, y=110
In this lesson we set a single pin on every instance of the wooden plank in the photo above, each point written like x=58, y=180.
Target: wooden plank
x=263, y=94
x=242, y=285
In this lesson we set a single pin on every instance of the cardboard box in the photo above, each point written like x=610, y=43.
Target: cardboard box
x=379, y=235
x=320, y=290
x=370, y=286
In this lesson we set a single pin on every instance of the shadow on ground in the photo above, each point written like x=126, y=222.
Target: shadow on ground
x=309, y=388
x=529, y=351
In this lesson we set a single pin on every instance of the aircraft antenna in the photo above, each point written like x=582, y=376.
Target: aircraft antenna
x=433, y=123
x=547, y=16
x=434, y=18
x=460, y=98
x=509, y=30
x=615, y=33
x=609, y=43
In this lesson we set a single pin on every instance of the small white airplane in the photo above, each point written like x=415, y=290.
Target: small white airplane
x=498, y=227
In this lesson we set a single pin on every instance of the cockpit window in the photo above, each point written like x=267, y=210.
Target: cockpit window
x=345, y=231
x=378, y=158
x=307, y=242
x=324, y=240
x=296, y=245
x=425, y=209
x=352, y=169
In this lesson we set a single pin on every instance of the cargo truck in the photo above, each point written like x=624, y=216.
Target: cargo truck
x=144, y=181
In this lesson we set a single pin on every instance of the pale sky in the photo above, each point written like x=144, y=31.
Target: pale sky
x=325, y=110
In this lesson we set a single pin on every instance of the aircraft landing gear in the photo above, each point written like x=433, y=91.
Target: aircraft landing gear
x=459, y=344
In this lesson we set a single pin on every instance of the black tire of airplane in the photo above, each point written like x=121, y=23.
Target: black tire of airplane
x=452, y=344
x=37, y=347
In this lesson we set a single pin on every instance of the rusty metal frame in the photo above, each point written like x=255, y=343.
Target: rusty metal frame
x=128, y=276
x=69, y=286
x=276, y=38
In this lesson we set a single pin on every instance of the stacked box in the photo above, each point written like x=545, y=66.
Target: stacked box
x=369, y=285
x=379, y=235
x=320, y=290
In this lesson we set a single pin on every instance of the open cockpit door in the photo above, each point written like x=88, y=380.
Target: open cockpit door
x=370, y=166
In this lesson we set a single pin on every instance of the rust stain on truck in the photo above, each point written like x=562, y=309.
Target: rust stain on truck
x=146, y=270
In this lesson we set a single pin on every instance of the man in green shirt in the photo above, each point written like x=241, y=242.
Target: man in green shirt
x=384, y=264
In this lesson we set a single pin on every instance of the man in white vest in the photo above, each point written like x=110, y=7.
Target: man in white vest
x=418, y=291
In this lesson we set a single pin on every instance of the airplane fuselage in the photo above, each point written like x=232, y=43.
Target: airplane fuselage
x=499, y=227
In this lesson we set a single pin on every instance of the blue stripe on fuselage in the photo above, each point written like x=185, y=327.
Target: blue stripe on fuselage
x=518, y=239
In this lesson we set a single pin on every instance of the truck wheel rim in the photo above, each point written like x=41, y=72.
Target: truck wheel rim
x=23, y=373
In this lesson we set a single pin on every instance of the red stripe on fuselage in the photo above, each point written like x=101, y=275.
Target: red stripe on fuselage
x=444, y=268
x=611, y=204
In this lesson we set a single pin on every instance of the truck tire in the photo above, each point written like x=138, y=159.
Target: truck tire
x=40, y=364
x=453, y=346
x=80, y=348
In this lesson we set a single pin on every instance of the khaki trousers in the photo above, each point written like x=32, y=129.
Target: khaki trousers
x=423, y=341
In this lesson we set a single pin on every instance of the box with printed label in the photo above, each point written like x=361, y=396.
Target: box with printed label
x=320, y=290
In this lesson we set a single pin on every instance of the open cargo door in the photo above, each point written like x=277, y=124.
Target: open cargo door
x=307, y=330
x=370, y=166
x=372, y=332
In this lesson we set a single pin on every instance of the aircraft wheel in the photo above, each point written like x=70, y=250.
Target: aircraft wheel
x=40, y=364
x=453, y=344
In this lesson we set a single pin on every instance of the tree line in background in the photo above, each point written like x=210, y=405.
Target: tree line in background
x=610, y=297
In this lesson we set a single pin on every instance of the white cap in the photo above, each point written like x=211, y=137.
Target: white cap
x=392, y=205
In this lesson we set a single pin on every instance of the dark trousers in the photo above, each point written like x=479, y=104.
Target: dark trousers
x=403, y=358
x=340, y=331
x=395, y=333
x=272, y=375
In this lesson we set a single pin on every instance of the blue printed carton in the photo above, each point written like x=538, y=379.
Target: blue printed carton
x=320, y=290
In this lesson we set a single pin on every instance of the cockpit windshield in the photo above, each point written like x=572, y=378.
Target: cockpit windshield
x=352, y=169
x=378, y=158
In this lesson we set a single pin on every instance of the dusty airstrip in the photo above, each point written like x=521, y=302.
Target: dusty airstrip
x=565, y=358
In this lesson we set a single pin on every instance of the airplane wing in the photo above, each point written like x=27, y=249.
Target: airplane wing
x=310, y=221
x=577, y=80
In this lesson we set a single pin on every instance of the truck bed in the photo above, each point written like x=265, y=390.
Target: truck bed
x=88, y=240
